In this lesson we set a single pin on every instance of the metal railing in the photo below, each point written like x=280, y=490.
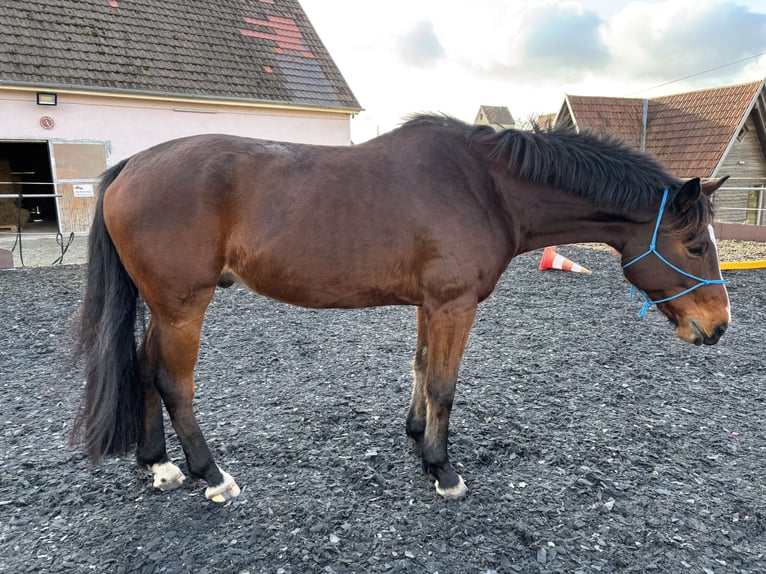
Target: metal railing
x=60, y=241
x=747, y=207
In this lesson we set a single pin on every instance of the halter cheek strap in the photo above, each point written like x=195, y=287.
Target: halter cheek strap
x=653, y=250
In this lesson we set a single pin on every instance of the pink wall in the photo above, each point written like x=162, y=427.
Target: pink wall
x=130, y=125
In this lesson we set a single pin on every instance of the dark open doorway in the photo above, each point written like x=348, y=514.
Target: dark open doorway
x=25, y=167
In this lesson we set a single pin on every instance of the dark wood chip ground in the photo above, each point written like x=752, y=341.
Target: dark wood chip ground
x=590, y=440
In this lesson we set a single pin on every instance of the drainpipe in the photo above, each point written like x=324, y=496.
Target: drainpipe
x=644, y=121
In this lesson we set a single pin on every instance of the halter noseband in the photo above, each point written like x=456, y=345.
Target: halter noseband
x=652, y=249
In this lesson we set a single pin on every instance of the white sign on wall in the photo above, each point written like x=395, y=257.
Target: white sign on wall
x=83, y=189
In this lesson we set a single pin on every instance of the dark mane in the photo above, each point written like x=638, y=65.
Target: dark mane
x=443, y=120
x=603, y=170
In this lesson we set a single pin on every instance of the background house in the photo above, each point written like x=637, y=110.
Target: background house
x=705, y=133
x=545, y=121
x=499, y=117
x=85, y=84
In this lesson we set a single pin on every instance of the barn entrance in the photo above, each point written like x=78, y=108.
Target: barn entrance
x=25, y=168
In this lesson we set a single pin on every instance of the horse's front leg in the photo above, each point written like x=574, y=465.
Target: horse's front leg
x=448, y=326
x=177, y=348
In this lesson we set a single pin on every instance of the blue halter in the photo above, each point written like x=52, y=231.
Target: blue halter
x=652, y=249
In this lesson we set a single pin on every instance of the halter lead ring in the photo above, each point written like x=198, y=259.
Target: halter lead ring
x=653, y=249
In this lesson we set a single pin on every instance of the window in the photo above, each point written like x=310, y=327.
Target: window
x=742, y=133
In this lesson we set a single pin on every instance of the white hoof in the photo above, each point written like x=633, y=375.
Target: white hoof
x=457, y=491
x=227, y=490
x=167, y=476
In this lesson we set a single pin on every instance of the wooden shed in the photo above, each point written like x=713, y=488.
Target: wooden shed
x=706, y=133
x=85, y=84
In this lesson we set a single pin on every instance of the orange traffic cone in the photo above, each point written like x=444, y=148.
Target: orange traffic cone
x=553, y=260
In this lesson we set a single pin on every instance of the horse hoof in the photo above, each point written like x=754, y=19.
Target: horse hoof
x=457, y=491
x=227, y=490
x=167, y=476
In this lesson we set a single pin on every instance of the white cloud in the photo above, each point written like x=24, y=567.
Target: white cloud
x=676, y=38
x=451, y=56
x=547, y=40
x=420, y=46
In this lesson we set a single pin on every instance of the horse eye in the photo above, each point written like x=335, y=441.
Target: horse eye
x=697, y=250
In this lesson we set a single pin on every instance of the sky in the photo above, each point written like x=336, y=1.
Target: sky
x=407, y=56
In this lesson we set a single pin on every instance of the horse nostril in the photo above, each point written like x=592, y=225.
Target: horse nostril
x=716, y=334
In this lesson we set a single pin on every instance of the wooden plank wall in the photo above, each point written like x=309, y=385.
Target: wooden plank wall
x=75, y=213
x=77, y=164
x=746, y=164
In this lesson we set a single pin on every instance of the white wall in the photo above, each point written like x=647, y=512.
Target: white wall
x=130, y=125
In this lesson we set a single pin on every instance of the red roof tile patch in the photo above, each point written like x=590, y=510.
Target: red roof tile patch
x=285, y=33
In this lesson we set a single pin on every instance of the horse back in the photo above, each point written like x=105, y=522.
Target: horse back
x=320, y=226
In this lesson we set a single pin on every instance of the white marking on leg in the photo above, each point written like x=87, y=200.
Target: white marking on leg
x=227, y=490
x=167, y=476
x=456, y=491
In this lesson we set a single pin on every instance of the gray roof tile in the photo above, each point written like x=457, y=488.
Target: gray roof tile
x=230, y=49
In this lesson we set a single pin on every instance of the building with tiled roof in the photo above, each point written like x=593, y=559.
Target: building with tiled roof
x=705, y=133
x=498, y=117
x=85, y=83
x=248, y=52
x=544, y=121
x=616, y=116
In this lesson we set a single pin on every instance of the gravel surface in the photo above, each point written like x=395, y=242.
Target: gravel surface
x=43, y=249
x=590, y=440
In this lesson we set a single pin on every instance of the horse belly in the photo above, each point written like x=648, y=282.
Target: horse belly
x=321, y=287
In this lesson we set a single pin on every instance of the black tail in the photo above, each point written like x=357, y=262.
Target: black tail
x=111, y=414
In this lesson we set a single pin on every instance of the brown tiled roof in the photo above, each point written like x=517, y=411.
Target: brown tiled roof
x=688, y=133
x=264, y=51
x=545, y=121
x=497, y=115
x=617, y=116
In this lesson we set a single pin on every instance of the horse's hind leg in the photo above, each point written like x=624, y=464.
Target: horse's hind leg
x=176, y=343
x=151, y=453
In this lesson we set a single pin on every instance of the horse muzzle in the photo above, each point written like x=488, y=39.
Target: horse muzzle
x=693, y=332
x=701, y=316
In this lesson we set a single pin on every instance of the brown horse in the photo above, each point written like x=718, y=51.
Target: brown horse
x=428, y=215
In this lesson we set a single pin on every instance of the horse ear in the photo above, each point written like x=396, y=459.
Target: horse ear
x=708, y=186
x=688, y=194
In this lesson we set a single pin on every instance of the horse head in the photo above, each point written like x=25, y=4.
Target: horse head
x=672, y=260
